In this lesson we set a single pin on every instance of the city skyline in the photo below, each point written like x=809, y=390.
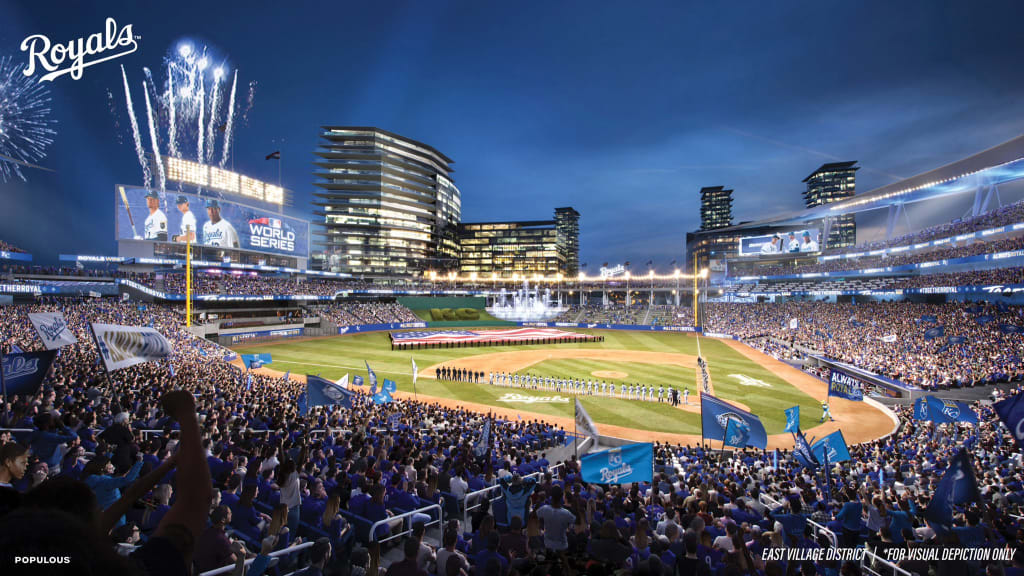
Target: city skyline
x=624, y=116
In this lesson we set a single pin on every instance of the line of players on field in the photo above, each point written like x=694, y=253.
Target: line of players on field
x=591, y=388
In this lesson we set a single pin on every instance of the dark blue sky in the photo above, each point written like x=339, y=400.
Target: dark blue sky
x=623, y=110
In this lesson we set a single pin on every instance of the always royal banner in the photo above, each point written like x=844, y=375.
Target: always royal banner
x=842, y=384
x=622, y=465
x=124, y=346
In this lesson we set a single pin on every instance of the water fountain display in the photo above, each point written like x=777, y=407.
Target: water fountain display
x=526, y=304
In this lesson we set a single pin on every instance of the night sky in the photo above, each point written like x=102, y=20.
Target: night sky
x=622, y=110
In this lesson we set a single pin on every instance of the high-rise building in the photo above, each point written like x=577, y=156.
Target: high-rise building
x=830, y=183
x=715, y=207
x=388, y=203
x=526, y=248
x=567, y=222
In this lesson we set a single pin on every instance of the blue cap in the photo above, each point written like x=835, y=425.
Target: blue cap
x=182, y=200
x=152, y=194
x=807, y=234
x=212, y=203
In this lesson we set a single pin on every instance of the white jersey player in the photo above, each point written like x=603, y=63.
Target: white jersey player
x=189, y=227
x=155, y=227
x=217, y=231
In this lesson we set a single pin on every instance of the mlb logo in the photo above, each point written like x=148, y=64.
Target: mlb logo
x=274, y=222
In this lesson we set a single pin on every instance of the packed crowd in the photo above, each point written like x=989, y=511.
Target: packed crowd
x=8, y=247
x=356, y=313
x=892, y=338
x=233, y=471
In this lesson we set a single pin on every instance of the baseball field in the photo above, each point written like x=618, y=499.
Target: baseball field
x=740, y=375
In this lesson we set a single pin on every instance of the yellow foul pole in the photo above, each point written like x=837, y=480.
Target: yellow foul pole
x=695, y=292
x=188, y=283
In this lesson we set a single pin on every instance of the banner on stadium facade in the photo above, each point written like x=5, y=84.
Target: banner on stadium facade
x=843, y=384
x=124, y=346
x=715, y=415
x=622, y=465
x=52, y=329
x=23, y=372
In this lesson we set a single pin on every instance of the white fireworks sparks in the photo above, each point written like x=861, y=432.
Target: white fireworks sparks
x=26, y=129
x=188, y=116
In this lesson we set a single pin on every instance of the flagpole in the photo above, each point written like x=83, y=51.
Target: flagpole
x=575, y=445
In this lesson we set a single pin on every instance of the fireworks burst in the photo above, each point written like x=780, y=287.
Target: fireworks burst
x=186, y=118
x=25, y=123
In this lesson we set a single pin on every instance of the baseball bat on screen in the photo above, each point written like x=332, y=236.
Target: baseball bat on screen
x=128, y=209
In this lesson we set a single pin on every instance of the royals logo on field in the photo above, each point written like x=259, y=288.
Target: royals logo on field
x=271, y=233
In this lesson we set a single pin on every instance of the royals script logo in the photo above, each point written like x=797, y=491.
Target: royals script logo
x=74, y=56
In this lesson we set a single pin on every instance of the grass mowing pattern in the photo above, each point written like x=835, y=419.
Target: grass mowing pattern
x=333, y=357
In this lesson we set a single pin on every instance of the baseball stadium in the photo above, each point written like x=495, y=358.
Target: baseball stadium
x=355, y=379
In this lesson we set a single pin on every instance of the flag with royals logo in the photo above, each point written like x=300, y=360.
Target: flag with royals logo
x=943, y=411
x=23, y=373
x=737, y=433
x=1011, y=412
x=372, y=376
x=831, y=448
x=381, y=397
x=802, y=452
x=934, y=332
x=1011, y=329
x=584, y=423
x=124, y=346
x=792, y=419
x=715, y=416
x=958, y=486
x=52, y=329
x=357, y=380
x=390, y=386
x=323, y=392
x=622, y=465
x=483, y=443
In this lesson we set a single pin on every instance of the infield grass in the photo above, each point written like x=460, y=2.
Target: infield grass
x=333, y=357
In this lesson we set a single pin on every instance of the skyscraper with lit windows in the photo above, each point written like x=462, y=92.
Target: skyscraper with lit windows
x=388, y=203
x=832, y=182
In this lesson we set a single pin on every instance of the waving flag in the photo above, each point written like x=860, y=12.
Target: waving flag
x=793, y=323
x=382, y=397
x=248, y=383
x=343, y=382
x=1011, y=412
x=372, y=376
x=934, y=332
x=715, y=416
x=889, y=338
x=831, y=448
x=323, y=392
x=390, y=386
x=956, y=340
x=622, y=465
x=584, y=423
x=792, y=419
x=985, y=319
x=124, y=346
x=958, y=486
x=23, y=373
x=52, y=329
x=484, y=442
x=737, y=433
x=287, y=376
x=1011, y=329
x=415, y=370
x=943, y=411
x=929, y=318
x=705, y=378
x=802, y=452
x=357, y=380
x=303, y=404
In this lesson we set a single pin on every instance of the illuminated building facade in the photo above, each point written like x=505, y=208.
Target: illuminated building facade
x=388, y=203
x=833, y=182
x=526, y=248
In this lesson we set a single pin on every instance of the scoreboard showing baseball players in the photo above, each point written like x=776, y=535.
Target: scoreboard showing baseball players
x=145, y=214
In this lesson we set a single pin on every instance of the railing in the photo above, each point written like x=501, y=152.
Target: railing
x=403, y=516
x=870, y=561
x=832, y=538
x=231, y=567
x=476, y=496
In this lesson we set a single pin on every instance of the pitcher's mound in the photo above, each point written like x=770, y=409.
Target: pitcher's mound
x=609, y=374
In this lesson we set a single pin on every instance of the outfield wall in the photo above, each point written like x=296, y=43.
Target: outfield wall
x=426, y=303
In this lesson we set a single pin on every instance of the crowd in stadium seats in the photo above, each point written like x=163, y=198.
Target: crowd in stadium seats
x=968, y=278
x=8, y=247
x=972, y=248
x=854, y=333
x=1010, y=214
x=233, y=470
x=356, y=313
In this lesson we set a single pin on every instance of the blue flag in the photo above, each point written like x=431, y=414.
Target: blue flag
x=792, y=419
x=929, y=318
x=287, y=376
x=15, y=349
x=303, y=404
x=357, y=380
x=943, y=411
x=802, y=452
x=622, y=465
x=323, y=392
x=831, y=448
x=1011, y=412
x=843, y=384
x=958, y=485
x=248, y=384
x=1011, y=329
x=484, y=442
x=737, y=433
x=381, y=397
x=715, y=415
x=24, y=372
x=985, y=319
x=934, y=332
x=372, y=376
x=957, y=339
x=170, y=366
x=389, y=386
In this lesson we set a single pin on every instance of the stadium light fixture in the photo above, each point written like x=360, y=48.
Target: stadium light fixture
x=704, y=273
x=676, y=273
x=650, y=273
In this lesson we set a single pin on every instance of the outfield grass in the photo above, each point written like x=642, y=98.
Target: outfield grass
x=333, y=357
x=484, y=317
